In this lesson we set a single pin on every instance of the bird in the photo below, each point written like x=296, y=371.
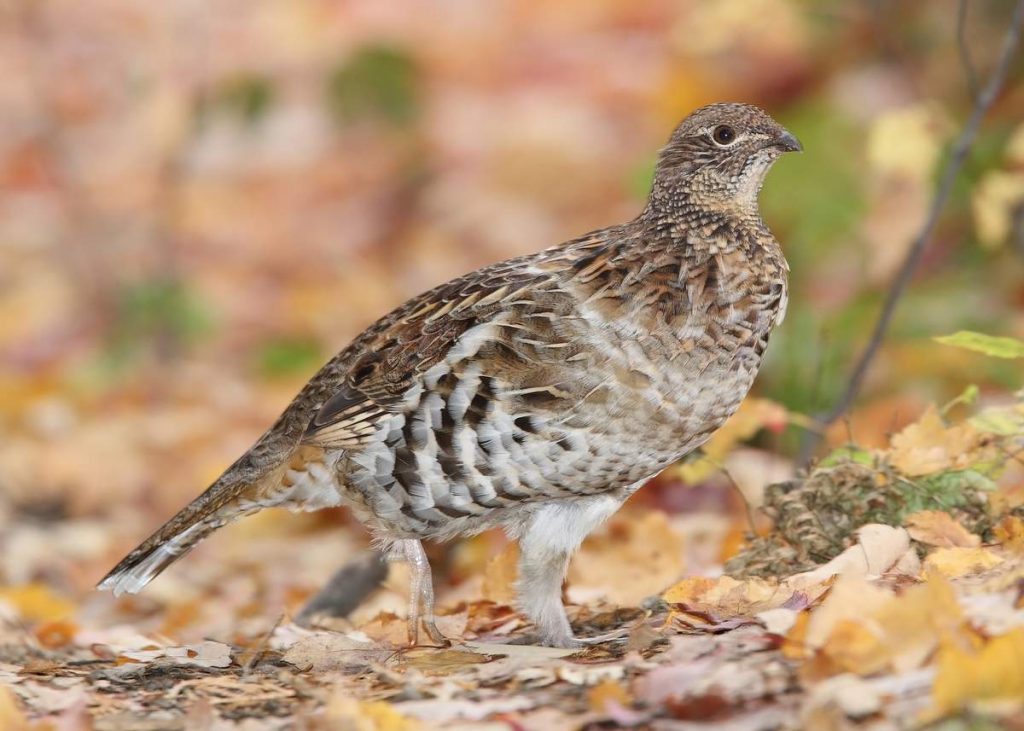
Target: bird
x=536, y=394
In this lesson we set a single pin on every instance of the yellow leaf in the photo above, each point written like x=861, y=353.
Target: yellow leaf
x=913, y=622
x=993, y=672
x=37, y=602
x=929, y=446
x=959, y=561
x=851, y=597
x=345, y=712
x=1015, y=146
x=939, y=528
x=795, y=645
x=995, y=198
x=906, y=142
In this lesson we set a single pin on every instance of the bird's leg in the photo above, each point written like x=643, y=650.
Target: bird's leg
x=552, y=535
x=421, y=592
x=541, y=572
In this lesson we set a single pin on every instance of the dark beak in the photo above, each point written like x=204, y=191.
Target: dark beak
x=788, y=142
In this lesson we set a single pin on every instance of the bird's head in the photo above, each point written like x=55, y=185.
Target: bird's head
x=718, y=157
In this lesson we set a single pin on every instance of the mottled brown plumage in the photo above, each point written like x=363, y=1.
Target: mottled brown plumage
x=535, y=394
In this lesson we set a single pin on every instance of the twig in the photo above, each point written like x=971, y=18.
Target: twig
x=965, y=51
x=961, y=148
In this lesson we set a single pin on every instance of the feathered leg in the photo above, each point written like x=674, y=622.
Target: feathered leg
x=551, y=536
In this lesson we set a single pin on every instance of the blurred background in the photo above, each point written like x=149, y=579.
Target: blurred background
x=201, y=202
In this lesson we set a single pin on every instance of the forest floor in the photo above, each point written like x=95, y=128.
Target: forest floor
x=885, y=591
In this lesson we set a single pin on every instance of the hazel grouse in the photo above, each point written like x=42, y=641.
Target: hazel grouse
x=535, y=394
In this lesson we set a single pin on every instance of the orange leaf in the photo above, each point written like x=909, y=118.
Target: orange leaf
x=1010, y=532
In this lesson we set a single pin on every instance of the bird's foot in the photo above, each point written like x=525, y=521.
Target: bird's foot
x=436, y=637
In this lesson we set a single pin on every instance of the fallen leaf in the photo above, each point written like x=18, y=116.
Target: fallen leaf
x=37, y=602
x=207, y=654
x=500, y=576
x=968, y=676
x=879, y=548
x=605, y=693
x=855, y=697
x=635, y=555
x=59, y=633
x=344, y=712
x=959, y=561
x=1010, y=533
x=939, y=528
x=434, y=661
x=851, y=597
x=726, y=596
x=928, y=446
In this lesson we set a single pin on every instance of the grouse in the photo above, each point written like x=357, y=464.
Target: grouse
x=535, y=394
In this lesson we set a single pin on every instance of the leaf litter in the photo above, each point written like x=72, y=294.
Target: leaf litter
x=887, y=589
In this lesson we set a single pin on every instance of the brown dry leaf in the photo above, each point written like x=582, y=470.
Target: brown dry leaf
x=1010, y=533
x=959, y=561
x=605, y=693
x=500, y=576
x=207, y=654
x=434, y=661
x=37, y=602
x=929, y=446
x=995, y=672
x=939, y=528
x=387, y=627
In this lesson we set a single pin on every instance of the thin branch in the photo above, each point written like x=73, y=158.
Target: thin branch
x=964, y=50
x=961, y=149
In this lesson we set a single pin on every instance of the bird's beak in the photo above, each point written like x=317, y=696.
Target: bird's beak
x=788, y=142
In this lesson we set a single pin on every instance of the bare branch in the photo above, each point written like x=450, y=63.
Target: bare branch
x=961, y=148
x=965, y=52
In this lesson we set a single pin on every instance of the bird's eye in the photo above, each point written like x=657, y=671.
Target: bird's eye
x=724, y=135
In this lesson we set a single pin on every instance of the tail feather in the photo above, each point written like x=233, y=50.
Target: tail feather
x=233, y=496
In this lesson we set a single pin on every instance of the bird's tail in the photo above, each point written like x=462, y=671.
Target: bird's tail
x=234, y=495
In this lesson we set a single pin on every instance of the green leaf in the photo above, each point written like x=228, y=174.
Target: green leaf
x=966, y=398
x=289, y=356
x=849, y=453
x=988, y=344
x=1006, y=422
x=248, y=97
x=376, y=82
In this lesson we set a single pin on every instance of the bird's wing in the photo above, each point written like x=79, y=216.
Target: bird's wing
x=372, y=376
